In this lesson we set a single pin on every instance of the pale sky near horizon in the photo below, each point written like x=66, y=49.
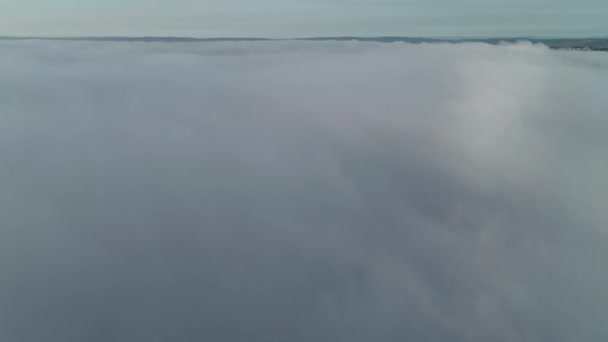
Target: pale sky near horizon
x=304, y=18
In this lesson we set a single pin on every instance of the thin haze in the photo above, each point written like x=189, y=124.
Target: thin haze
x=304, y=18
x=302, y=191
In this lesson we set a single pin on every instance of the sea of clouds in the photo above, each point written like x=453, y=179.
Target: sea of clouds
x=302, y=191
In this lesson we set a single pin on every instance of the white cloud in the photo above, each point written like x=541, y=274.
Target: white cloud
x=302, y=191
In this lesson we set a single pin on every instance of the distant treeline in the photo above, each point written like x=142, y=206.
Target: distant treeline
x=593, y=44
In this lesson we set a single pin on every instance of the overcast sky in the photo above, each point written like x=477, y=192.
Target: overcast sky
x=299, y=18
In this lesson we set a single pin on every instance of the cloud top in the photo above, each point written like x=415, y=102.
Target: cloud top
x=299, y=191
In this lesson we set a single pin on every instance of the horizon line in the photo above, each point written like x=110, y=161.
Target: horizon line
x=363, y=37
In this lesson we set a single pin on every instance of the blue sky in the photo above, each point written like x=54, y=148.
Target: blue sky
x=301, y=18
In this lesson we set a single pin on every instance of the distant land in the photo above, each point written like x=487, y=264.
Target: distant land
x=588, y=44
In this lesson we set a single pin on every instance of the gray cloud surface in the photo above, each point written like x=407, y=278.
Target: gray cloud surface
x=302, y=191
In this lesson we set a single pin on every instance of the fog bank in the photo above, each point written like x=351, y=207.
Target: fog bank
x=302, y=191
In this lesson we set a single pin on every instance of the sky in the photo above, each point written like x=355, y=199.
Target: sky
x=304, y=18
x=302, y=191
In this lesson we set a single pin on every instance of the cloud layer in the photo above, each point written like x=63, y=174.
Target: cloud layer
x=302, y=191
